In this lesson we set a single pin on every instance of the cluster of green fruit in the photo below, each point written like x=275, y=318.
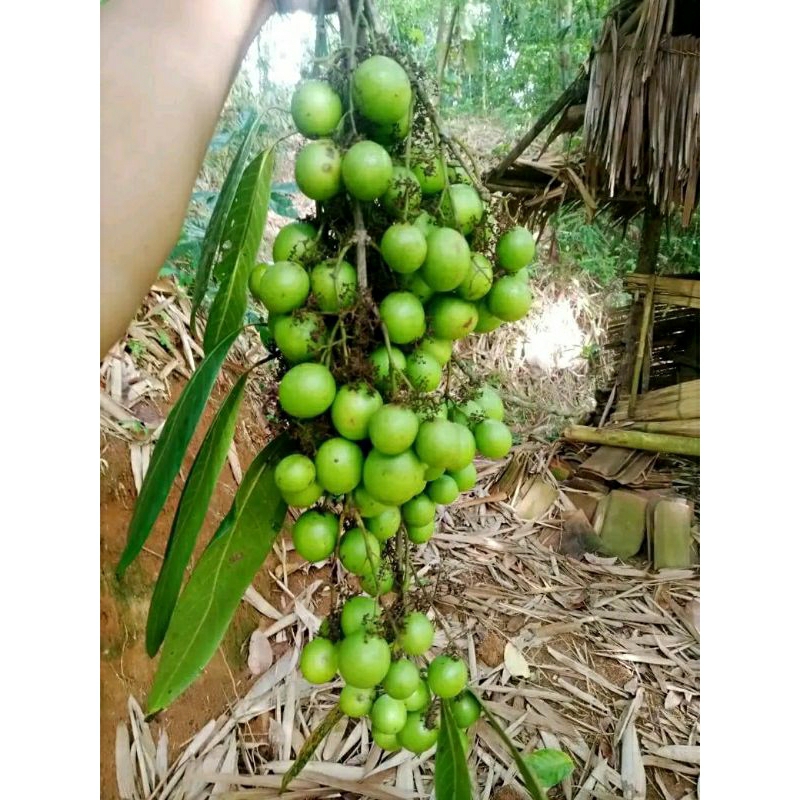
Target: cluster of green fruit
x=397, y=447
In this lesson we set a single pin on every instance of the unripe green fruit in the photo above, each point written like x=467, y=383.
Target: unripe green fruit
x=402, y=679
x=334, y=285
x=314, y=535
x=416, y=634
x=404, y=317
x=486, y=320
x=419, y=510
x=388, y=715
x=366, y=170
x=364, y=660
x=281, y=287
x=387, y=364
x=381, y=90
x=295, y=242
x=300, y=336
x=403, y=247
x=414, y=284
x=393, y=479
x=358, y=613
x=430, y=173
x=307, y=390
x=424, y=371
x=509, y=299
x=437, y=442
x=352, y=409
x=479, y=278
x=440, y=349
x=318, y=170
x=356, y=702
x=358, y=551
x=294, y=473
x=393, y=428
x=465, y=478
x=419, y=534
x=403, y=195
x=462, y=208
x=420, y=698
x=318, y=661
x=316, y=109
x=451, y=317
x=338, y=463
x=366, y=504
x=447, y=676
x=385, y=525
x=447, y=260
x=380, y=585
x=516, y=249
x=493, y=438
x=444, y=490
x=305, y=497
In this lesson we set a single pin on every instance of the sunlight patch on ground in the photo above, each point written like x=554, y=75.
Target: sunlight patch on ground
x=553, y=339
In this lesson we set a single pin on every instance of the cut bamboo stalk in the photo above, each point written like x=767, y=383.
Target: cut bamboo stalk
x=647, y=317
x=637, y=440
x=677, y=390
x=676, y=427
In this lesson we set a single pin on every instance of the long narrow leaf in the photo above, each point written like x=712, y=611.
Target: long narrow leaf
x=171, y=448
x=212, y=241
x=223, y=573
x=451, y=774
x=191, y=512
x=529, y=777
x=311, y=744
x=244, y=229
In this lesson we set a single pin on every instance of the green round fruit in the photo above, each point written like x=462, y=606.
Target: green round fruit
x=420, y=698
x=462, y=208
x=493, y=438
x=385, y=363
x=486, y=320
x=457, y=174
x=294, y=473
x=318, y=170
x=424, y=371
x=425, y=222
x=419, y=510
x=366, y=171
x=414, y=284
x=295, y=242
x=304, y=498
x=385, y=525
x=358, y=550
x=432, y=473
x=466, y=710
x=444, y=490
x=416, y=635
x=447, y=260
x=386, y=741
x=338, y=463
x=282, y=287
x=465, y=478
x=356, y=702
x=366, y=504
x=416, y=736
x=509, y=299
x=306, y=390
x=464, y=450
x=447, y=676
x=440, y=349
x=403, y=196
x=316, y=109
x=335, y=285
x=352, y=409
x=383, y=584
x=318, y=661
x=388, y=715
x=402, y=679
x=381, y=90
x=468, y=414
x=358, y=613
x=314, y=535
x=254, y=281
x=488, y=399
x=393, y=479
x=393, y=428
x=515, y=249
x=479, y=278
x=451, y=317
x=364, y=660
x=300, y=335
x=389, y=133
x=430, y=173
x=419, y=534
x=437, y=442
x=403, y=316
x=403, y=247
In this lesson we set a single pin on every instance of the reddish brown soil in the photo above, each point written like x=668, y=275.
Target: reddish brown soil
x=125, y=668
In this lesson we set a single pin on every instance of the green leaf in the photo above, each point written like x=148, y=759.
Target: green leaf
x=550, y=766
x=170, y=450
x=451, y=774
x=223, y=573
x=191, y=512
x=529, y=777
x=213, y=239
x=244, y=228
x=311, y=744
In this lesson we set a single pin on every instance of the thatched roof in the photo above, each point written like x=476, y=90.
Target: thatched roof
x=639, y=107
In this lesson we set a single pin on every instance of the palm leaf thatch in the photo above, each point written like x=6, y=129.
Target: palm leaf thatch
x=640, y=114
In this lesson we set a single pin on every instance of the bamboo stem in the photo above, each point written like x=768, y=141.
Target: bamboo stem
x=636, y=440
x=647, y=316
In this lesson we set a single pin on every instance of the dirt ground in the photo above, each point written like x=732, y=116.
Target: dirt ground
x=125, y=668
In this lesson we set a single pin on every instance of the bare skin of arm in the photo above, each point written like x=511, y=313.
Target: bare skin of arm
x=166, y=68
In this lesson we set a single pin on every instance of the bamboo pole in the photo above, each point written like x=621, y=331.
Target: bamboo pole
x=636, y=440
x=647, y=316
x=677, y=427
